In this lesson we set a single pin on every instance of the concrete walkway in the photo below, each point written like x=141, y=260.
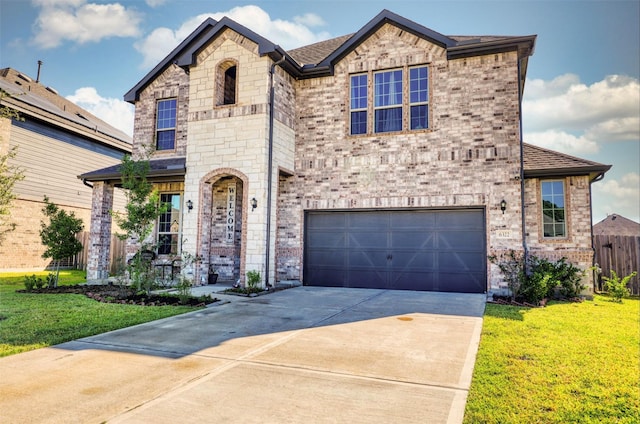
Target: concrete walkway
x=302, y=355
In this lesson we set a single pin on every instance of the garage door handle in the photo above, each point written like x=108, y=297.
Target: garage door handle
x=389, y=257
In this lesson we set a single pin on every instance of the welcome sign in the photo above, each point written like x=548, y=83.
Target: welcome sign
x=231, y=213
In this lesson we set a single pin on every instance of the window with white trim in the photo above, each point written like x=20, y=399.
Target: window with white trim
x=166, y=124
x=554, y=223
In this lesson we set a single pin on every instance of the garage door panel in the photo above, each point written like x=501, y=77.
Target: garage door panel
x=462, y=261
x=328, y=277
x=328, y=258
x=459, y=220
x=459, y=239
x=461, y=282
x=440, y=250
x=365, y=278
x=367, y=220
x=412, y=240
x=327, y=220
x=367, y=239
x=327, y=240
x=407, y=261
x=423, y=281
x=412, y=220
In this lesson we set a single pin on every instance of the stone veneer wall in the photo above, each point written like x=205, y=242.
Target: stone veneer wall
x=469, y=157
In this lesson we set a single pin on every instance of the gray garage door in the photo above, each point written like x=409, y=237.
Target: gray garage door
x=408, y=250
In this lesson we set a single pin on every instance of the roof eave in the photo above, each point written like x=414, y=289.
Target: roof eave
x=134, y=93
x=524, y=45
x=592, y=171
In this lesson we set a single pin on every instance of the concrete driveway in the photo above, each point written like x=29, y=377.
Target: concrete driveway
x=302, y=355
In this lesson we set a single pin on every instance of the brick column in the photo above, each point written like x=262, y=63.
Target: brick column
x=100, y=232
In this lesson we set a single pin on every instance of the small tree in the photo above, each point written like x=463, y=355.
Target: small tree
x=142, y=210
x=9, y=175
x=617, y=286
x=60, y=235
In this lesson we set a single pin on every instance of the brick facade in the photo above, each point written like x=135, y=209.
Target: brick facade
x=469, y=157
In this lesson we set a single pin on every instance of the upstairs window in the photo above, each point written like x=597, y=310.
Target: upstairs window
x=230, y=86
x=169, y=224
x=226, y=87
x=388, y=101
x=554, y=223
x=166, y=124
x=400, y=101
x=359, y=104
x=418, y=98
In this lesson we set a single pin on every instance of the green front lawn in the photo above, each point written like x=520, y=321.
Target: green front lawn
x=31, y=321
x=565, y=363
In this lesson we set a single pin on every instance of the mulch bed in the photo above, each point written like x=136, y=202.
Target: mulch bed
x=126, y=295
x=507, y=300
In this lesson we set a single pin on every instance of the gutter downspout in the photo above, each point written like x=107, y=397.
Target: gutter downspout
x=270, y=165
x=594, y=272
x=522, y=196
x=86, y=183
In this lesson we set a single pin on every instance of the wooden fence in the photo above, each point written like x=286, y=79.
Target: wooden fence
x=618, y=253
x=117, y=258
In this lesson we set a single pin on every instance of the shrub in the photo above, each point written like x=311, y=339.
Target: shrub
x=253, y=279
x=535, y=278
x=511, y=265
x=616, y=286
x=30, y=282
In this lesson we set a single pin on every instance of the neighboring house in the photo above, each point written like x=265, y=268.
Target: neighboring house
x=56, y=140
x=389, y=158
x=616, y=240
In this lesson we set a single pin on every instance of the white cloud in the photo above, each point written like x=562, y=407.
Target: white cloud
x=288, y=34
x=155, y=3
x=81, y=22
x=567, y=115
x=115, y=112
x=562, y=141
x=309, y=19
x=618, y=196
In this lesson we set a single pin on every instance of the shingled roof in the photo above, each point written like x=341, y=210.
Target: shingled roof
x=33, y=99
x=617, y=225
x=159, y=170
x=318, y=59
x=540, y=162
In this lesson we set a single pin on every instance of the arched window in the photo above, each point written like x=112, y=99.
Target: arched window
x=226, y=83
x=230, y=86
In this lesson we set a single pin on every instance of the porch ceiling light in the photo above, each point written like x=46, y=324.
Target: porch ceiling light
x=189, y=205
x=254, y=203
x=503, y=206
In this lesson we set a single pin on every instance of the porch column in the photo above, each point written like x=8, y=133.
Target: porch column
x=100, y=232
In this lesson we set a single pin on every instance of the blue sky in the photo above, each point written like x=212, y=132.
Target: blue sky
x=582, y=95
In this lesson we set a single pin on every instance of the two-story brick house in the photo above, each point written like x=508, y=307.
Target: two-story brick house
x=391, y=157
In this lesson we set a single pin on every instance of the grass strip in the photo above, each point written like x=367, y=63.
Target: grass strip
x=565, y=363
x=31, y=321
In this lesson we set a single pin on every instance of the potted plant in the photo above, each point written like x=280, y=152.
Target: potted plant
x=213, y=275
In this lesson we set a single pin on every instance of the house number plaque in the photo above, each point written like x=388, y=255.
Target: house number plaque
x=230, y=224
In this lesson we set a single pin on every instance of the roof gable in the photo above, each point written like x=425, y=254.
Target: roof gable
x=185, y=54
x=318, y=59
x=617, y=225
